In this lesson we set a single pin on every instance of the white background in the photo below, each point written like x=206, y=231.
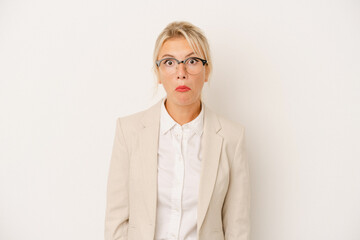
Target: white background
x=287, y=70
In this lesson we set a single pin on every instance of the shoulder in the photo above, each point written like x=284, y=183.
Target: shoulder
x=230, y=130
x=230, y=126
x=131, y=123
x=134, y=122
x=131, y=119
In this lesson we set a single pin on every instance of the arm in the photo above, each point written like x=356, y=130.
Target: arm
x=236, y=208
x=117, y=206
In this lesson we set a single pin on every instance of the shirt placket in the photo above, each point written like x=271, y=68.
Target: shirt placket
x=176, y=197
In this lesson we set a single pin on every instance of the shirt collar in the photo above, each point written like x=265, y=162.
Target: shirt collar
x=167, y=122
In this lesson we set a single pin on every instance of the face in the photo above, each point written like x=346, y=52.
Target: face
x=180, y=49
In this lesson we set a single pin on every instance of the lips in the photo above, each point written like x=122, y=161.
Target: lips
x=182, y=88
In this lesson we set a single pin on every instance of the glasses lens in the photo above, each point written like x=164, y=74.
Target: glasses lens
x=193, y=65
x=168, y=65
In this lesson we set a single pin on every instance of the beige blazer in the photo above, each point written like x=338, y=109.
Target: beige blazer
x=224, y=194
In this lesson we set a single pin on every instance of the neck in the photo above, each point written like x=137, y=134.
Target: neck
x=183, y=114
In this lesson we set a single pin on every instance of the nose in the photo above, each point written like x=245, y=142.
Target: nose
x=181, y=71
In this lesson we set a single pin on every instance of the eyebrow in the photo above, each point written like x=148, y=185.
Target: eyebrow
x=169, y=55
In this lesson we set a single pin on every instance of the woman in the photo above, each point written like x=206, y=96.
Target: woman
x=178, y=170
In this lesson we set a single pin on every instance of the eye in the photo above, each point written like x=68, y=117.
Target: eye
x=169, y=62
x=192, y=61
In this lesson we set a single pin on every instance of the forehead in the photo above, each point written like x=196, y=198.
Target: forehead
x=177, y=47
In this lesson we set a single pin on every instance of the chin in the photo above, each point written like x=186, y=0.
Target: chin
x=185, y=102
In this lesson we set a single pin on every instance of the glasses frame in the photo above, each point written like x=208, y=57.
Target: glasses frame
x=183, y=61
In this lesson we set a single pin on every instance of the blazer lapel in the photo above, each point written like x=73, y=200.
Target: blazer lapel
x=211, y=144
x=148, y=147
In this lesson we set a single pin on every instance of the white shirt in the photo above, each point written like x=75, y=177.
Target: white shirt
x=179, y=167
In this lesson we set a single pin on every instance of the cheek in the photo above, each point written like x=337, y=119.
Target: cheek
x=166, y=84
x=200, y=86
x=165, y=79
x=200, y=81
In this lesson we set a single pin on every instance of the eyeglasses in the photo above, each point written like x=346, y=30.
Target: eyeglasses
x=193, y=65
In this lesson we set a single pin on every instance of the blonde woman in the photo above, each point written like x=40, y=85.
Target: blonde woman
x=178, y=170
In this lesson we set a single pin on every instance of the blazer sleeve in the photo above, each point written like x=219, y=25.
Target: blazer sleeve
x=117, y=206
x=236, y=207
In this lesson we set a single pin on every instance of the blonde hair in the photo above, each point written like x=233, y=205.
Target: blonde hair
x=192, y=34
